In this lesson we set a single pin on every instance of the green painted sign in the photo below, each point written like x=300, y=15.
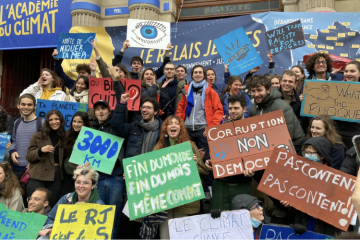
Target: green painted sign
x=99, y=148
x=18, y=225
x=161, y=179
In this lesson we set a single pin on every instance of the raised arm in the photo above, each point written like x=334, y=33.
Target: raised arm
x=69, y=83
x=160, y=71
x=118, y=125
x=118, y=57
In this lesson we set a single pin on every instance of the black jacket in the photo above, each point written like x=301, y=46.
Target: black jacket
x=322, y=146
x=350, y=165
x=295, y=102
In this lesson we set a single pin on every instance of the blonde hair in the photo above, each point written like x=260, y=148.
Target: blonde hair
x=87, y=172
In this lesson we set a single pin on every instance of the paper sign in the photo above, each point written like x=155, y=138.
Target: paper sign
x=4, y=139
x=247, y=143
x=68, y=109
x=270, y=232
x=236, y=49
x=103, y=88
x=18, y=225
x=148, y=33
x=161, y=179
x=75, y=45
x=313, y=188
x=99, y=148
x=83, y=221
x=285, y=38
x=340, y=100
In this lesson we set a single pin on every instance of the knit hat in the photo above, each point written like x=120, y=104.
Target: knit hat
x=244, y=201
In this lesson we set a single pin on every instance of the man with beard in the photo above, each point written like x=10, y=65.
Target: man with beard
x=39, y=201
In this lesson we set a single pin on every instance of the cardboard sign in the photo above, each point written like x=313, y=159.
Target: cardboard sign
x=4, y=139
x=18, y=225
x=270, y=232
x=236, y=49
x=148, y=33
x=99, y=148
x=68, y=109
x=161, y=179
x=285, y=38
x=103, y=88
x=247, y=143
x=75, y=45
x=230, y=225
x=83, y=221
x=340, y=100
x=313, y=188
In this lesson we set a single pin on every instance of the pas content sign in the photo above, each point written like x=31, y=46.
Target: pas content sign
x=320, y=191
x=270, y=232
x=230, y=225
x=161, y=179
x=338, y=99
x=83, y=221
x=18, y=225
x=75, y=45
x=99, y=148
x=247, y=143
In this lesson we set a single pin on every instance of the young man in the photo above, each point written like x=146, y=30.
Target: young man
x=181, y=73
x=288, y=91
x=39, y=201
x=24, y=128
x=319, y=67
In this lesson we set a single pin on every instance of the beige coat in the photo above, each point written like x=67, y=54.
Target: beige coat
x=14, y=203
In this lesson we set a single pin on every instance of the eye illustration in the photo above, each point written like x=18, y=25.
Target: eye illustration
x=149, y=32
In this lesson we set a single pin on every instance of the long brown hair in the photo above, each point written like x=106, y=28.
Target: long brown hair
x=45, y=130
x=57, y=79
x=232, y=79
x=11, y=182
x=142, y=74
x=125, y=70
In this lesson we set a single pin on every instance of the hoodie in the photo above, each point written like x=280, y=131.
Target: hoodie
x=47, y=93
x=322, y=146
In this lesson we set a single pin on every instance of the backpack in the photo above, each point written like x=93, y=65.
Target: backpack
x=38, y=124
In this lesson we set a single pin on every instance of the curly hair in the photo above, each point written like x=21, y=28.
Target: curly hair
x=232, y=79
x=310, y=63
x=87, y=172
x=71, y=135
x=83, y=66
x=45, y=130
x=11, y=182
x=3, y=119
x=142, y=75
x=57, y=80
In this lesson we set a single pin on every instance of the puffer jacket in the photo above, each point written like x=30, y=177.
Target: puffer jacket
x=350, y=164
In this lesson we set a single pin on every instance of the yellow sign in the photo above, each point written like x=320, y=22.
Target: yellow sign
x=346, y=23
x=311, y=45
x=323, y=51
x=351, y=33
x=321, y=46
x=355, y=46
x=331, y=27
x=331, y=38
x=341, y=34
x=83, y=221
x=330, y=47
x=339, y=44
x=313, y=37
x=344, y=55
x=325, y=31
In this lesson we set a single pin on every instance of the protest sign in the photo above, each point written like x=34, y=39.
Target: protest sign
x=161, y=179
x=313, y=188
x=230, y=225
x=103, y=88
x=83, y=221
x=284, y=38
x=148, y=33
x=18, y=225
x=68, y=109
x=99, y=148
x=278, y=232
x=236, y=49
x=4, y=139
x=75, y=45
x=247, y=143
x=340, y=100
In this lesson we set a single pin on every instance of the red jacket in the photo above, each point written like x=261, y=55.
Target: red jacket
x=213, y=107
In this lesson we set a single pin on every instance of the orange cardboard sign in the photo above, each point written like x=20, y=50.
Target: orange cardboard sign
x=247, y=143
x=311, y=187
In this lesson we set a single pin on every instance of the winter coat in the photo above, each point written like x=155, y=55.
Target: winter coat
x=323, y=147
x=83, y=99
x=172, y=107
x=36, y=90
x=14, y=203
x=350, y=165
x=224, y=101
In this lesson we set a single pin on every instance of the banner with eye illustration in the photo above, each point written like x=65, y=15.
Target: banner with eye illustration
x=148, y=34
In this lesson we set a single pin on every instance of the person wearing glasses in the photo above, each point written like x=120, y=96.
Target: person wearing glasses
x=319, y=67
x=39, y=201
x=10, y=189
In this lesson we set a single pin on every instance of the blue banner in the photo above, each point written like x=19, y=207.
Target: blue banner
x=33, y=23
x=4, y=139
x=68, y=109
x=75, y=45
x=280, y=232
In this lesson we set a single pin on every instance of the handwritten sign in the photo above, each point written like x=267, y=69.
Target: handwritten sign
x=285, y=38
x=75, y=45
x=313, y=188
x=18, y=225
x=161, y=179
x=230, y=225
x=270, y=232
x=236, y=49
x=338, y=99
x=4, y=139
x=83, y=221
x=247, y=143
x=99, y=148
x=68, y=109
x=103, y=88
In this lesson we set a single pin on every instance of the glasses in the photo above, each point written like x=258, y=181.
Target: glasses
x=256, y=206
x=33, y=198
x=320, y=62
x=169, y=69
x=147, y=107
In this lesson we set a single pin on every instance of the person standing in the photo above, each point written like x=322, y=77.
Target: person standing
x=319, y=67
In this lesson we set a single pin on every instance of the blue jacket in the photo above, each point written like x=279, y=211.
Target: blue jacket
x=224, y=101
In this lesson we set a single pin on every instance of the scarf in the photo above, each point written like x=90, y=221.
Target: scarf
x=94, y=197
x=150, y=135
x=47, y=93
x=328, y=77
x=79, y=96
x=190, y=97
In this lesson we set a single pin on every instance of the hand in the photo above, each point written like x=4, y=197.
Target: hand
x=334, y=71
x=8, y=145
x=126, y=45
x=27, y=167
x=15, y=155
x=226, y=67
x=270, y=56
x=113, y=73
x=93, y=43
x=285, y=203
x=40, y=80
x=166, y=83
x=255, y=70
x=248, y=173
x=124, y=97
x=123, y=175
x=45, y=232
x=299, y=229
x=215, y=213
x=168, y=48
x=84, y=165
x=202, y=153
x=48, y=148
x=208, y=164
x=55, y=52
x=194, y=157
x=92, y=65
x=301, y=97
x=204, y=133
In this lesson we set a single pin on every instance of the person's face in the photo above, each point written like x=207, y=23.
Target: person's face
x=352, y=73
x=236, y=112
x=80, y=85
x=83, y=186
x=235, y=87
x=288, y=83
x=169, y=71
x=298, y=73
x=173, y=129
x=317, y=128
x=320, y=65
x=136, y=66
x=210, y=76
x=256, y=212
x=198, y=75
x=37, y=202
x=82, y=72
x=275, y=82
x=147, y=112
x=149, y=76
x=259, y=93
x=77, y=123
x=311, y=150
x=102, y=113
x=26, y=107
x=2, y=175
x=47, y=79
x=121, y=73
x=54, y=122
x=180, y=73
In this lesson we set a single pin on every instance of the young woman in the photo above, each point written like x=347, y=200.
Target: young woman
x=300, y=73
x=80, y=92
x=210, y=76
x=324, y=126
x=45, y=155
x=275, y=80
x=352, y=71
x=48, y=87
x=10, y=189
x=174, y=132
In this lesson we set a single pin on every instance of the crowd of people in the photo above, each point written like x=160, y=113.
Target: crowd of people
x=36, y=172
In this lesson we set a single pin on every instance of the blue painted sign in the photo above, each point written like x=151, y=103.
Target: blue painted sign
x=4, y=139
x=75, y=45
x=278, y=232
x=236, y=49
x=68, y=109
